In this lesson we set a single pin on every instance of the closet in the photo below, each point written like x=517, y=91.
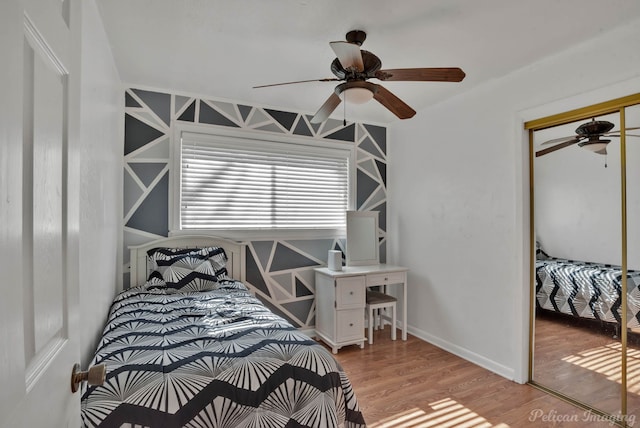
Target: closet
x=585, y=258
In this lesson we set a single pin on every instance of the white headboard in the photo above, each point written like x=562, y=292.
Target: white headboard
x=235, y=253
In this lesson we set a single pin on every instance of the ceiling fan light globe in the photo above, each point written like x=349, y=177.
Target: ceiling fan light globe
x=596, y=147
x=357, y=95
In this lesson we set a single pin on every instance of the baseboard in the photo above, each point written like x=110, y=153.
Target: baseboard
x=499, y=369
x=485, y=363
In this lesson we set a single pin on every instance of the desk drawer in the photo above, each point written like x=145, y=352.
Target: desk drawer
x=385, y=278
x=350, y=324
x=350, y=292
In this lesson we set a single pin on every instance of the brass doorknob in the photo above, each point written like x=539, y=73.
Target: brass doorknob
x=94, y=376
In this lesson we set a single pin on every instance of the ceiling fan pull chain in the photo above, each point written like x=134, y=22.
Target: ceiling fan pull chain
x=344, y=110
x=605, y=160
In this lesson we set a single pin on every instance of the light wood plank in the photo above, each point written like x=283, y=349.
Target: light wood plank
x=415, y=384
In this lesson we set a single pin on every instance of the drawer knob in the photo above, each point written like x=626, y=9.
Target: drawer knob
x=386, y=279
x=350, y=324
x=351, y=293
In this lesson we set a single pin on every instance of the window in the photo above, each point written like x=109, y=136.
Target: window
x=231, y=182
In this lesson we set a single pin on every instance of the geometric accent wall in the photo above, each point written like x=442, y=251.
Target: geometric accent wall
x=279, y=272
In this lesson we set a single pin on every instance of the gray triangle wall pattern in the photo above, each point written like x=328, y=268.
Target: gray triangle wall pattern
x=280, y=272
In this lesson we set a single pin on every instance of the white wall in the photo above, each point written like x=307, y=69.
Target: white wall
x=102, y=103
x=459, y=200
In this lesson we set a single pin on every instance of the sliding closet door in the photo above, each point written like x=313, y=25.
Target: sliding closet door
x=577, y=215
x=586, y=207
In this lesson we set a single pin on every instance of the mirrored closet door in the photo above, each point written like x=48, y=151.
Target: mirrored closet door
x=585, y=213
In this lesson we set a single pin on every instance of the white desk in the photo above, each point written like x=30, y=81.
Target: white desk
x=340, y=301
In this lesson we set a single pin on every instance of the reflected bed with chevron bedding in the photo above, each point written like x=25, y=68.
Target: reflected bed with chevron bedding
x=586, y=290
x=212, y=356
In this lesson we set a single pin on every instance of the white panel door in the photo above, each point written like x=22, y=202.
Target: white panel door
x=39, y=214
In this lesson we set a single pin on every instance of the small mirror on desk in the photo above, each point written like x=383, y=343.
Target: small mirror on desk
x=362, y=238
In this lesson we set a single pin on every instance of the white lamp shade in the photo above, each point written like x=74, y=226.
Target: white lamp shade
x=596, y=147
x=357, y=95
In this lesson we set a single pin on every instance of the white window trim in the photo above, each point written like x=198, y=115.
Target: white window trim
x=252, y=234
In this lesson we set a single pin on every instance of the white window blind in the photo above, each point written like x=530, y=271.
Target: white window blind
x=235, y=183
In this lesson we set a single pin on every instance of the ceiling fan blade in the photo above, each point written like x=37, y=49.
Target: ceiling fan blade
x=393, y=103
x=349, y=55
x=453, y=74
x=329, y=79
x=573, y=138
x=618, y=135
x=618, y=131
x=326, y=109
x=558, y=147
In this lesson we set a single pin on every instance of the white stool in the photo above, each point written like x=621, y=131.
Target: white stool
x=375, y=302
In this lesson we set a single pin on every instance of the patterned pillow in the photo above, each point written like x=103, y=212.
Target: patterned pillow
x=218, y=259
x=188, y=269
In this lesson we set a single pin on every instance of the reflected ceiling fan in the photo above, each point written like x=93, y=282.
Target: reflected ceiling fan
x=354, y=66
x=587, y=136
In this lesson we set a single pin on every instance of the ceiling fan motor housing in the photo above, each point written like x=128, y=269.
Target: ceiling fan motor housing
x=593, y=140
x=356, y=84
x=594, y=128
x=356, y=36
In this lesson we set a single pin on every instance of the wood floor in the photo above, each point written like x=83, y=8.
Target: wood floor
x=570, y=349
x=415, y=384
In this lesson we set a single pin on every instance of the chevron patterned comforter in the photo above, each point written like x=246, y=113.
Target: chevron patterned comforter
x=215, y=358
x=586, y=290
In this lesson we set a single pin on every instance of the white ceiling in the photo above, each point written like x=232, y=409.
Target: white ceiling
x=221, y=48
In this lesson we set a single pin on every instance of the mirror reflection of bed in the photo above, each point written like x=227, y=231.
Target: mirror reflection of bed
x=577, y=331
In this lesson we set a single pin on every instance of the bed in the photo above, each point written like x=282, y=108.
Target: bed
x=586, y=290
x=188, y=345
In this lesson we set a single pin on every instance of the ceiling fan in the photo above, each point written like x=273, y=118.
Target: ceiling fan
x=587, y=136
x=354, y=66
